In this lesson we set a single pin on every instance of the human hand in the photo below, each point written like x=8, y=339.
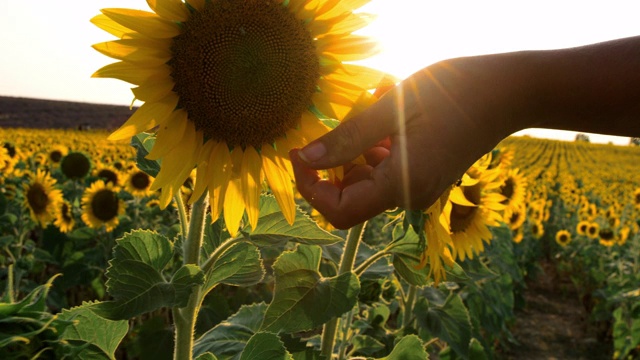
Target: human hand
x=418, y=139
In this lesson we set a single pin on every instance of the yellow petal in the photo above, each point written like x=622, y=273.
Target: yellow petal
x=311, y=127
x=251, y=183
x=173, y=10
x=112, y=27
x=347, y=48
x=283, y=146
x=359, y=77
x=132, y=73
x=201, y=174
x=218, y=172
x=169, y=135
x=154, y=89
x=457, y=197
x=179, y=161
x=197, y=4
x=351, y=23
x=139, y=51
x=146, y=117
x=234, y=197
x=332, y=105
x=279, y=182
x=165, y=197
x=143, y=22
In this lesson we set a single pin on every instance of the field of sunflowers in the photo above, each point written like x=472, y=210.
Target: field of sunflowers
x=92, y=265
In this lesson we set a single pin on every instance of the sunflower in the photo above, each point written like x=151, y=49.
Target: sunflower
x=593, y=230
x=563, y=238
x=582, y=227
x=101, y=206
x=64, y=217
x=518, y=235
x=232, y=86
x=514, y=189
x=41, y=197
x=109, y=174
x=606, y=237
x=636, y=197
x=436, y=228
x=537, y=229
x=138, y=183
x=75, y=165
x=517, y=218
x=473, y=207
x=56, y=154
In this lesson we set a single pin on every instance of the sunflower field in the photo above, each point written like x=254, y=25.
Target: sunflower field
x=92, y=265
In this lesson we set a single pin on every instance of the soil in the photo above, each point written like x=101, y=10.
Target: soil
x=555, y=325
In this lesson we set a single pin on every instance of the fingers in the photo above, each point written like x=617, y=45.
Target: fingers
x=353, y=137
x=366, y=192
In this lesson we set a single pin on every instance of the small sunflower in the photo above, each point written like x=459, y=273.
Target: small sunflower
x=537, y=229
x=563, y=238
x=636, y=197
x=593, y=230
x=108, y=174
x=606, y=237
x=514, y=189
x=582, y=227
x=64, y=217
x=56, y=154
x=138, y=183
x=623, y=235
x=101, y=206
x=518, y=235
x=75, y=165
x=41, y=197
x=232, y=86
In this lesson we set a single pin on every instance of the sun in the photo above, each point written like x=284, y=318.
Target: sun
x=229, y=87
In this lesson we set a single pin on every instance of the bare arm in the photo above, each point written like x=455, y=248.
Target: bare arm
x=422, y=135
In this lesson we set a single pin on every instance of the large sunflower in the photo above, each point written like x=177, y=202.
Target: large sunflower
x=473, y=207
x=101, y=206
x=41, y=197
x=232, y=86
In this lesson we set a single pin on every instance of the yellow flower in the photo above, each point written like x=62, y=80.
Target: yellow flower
x=232, y=86
x=138, y=183
x=514, y=190
x=101, y=206
x=582, y=227
x=537, y=229
x=563, y=238
x=606, y=237
x=593, y=230
x=41, y=197
x=64, y=217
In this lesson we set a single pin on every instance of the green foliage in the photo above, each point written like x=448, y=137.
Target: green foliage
x=303, y=299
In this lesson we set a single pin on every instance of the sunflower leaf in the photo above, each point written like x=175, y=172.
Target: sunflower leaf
x=227, y=339
x=265, y=346
x=241, y=265
x=143, y=143
x=135, y=278
x=303, y=299
x=273, y=228
x=89, y=328
x=408, y=348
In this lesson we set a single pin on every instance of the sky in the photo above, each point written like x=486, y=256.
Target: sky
x=46, y=45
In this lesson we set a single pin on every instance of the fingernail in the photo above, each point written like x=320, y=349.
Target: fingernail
x=313, y=152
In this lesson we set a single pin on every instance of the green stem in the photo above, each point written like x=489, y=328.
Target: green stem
x=182, y=215
x=365, y=264
x=185, y=318
x=407, y=317
x=346, y=265
x=206, y=267
x=9, y=294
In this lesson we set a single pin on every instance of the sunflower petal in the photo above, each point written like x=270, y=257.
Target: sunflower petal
x=219, y=173
x=146, y=117
x=251, y=171
x=203, y=171
x=139, y=51
x=457, y=197
x=154, y=89
x=347, y=48
x=311, y=127
x=132, y=73
x=169, y=134
x=197, y=4
x=234, y=197
x=173, y=10
x=143, y=22
x=105, y=23
x=279, y=182
x=179, y=161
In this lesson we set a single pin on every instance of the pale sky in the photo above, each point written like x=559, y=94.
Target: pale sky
x=46, y=45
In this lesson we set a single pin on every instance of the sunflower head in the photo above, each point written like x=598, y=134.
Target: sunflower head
x=138, y=183
x=232, y=86
x=593, y=230
x=75, y=165
x=563, y=238
x=64, y=217
x=101, y=206
x=41, y=197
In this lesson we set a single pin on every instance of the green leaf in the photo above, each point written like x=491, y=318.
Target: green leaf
x=265, y=346
x=365, y=345
x=408, y=348
x=241, y=265
x=207, y=356
x=145, y=246
x=448, y=320
x=227, y=339
x=143, y=143
x=90, y=328
x=406, y=258
x=135, y=278
x=303, y=299
x=273, y=228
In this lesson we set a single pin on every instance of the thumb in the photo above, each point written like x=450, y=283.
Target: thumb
x=353, y=137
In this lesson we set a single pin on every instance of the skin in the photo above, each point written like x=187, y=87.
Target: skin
x=457, y=110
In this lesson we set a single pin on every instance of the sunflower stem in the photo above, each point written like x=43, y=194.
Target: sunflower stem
x=407, y=317
x=182, y=215
x=185, y=318
x=346, y=265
